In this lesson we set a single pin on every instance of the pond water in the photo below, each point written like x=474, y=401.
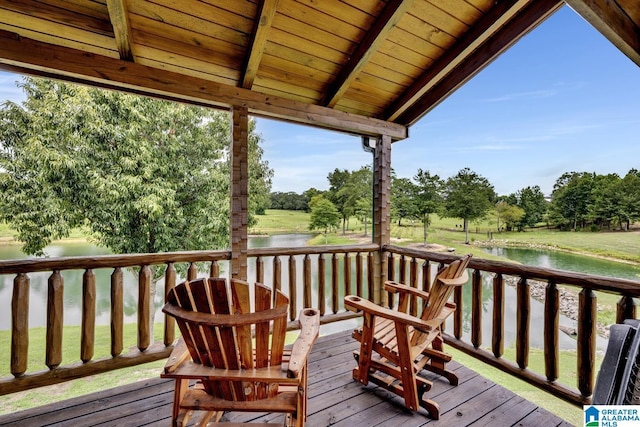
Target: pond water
x=73, y=282
x=568, y=261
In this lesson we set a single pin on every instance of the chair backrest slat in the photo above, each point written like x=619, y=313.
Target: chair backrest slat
x=231, y=346
x=440, y=293
x=242, y=304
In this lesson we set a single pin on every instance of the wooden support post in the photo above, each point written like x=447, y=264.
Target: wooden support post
x=381, y=211
x=239, y=191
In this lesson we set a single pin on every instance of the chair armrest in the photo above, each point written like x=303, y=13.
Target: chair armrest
x=458, y=281
x=355, y=303
x=395, y=287
x=309, y=329
x=178, y=355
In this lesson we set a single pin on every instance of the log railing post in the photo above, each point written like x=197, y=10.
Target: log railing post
x=322, y=271
x=20, y=325
x=88, y=315
x=169, y=322
x=144, y=308
x=277, y=273
x=523, y=314
x=347, y=273
x=293, y=288
x=334, y=283
x=476, y=309
x=117, y=311
x=497, y=339
x=55, y=319
x=306, y=284
x=551, y=322
x=587, y=312
x=626, y=309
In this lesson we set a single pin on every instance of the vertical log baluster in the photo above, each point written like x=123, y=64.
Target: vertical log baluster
x=476, y=309
x=347, y=273
x=403, y=270
x=587, y=315
x=370, y=280
x=359, y=274
x=523, y=314
x=260, y=271
x=55, y=319
x=20, y=325
x=551, y=322
x=626, y=309
x=293, y=287
x=322, y=305
x=214, y=270
x=391, y=269
x=192, y=272
x=497, y=339
x=277, y=273
x=306, y=291
x=426, y=275
x=413, y=282
x=334, y=283
x=457, y=315
x=88, y=328
x=117, y=312
x=144, y=307
x=169, y=322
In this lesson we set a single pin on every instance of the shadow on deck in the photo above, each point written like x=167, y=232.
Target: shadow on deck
x=334, y=399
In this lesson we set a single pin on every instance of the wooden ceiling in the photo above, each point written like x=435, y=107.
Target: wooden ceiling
x=361, y=66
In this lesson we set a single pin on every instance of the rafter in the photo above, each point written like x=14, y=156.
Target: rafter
x=264, y=19
x=438, y=84
x=609, y=18
x=122, y=30
x=28, y=56
x=393, y=11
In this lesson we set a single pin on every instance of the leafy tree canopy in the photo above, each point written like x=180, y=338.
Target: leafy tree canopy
x=141, y=175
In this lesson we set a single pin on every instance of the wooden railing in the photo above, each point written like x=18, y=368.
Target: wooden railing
x=312, y=275
x=317, y=277
x=416, y=267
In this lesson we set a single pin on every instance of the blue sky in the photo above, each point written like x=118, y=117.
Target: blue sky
x=562, y=99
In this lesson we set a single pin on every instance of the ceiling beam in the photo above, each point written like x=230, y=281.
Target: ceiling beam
x=506, y=35
x=121, y=28
x=29, y=56
x=611, y=20
x=263, y=21
x=392, y=13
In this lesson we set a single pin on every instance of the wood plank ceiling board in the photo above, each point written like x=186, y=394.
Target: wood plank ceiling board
x=391, y=60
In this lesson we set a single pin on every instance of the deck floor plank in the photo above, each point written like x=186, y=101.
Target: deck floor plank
x=334, y=399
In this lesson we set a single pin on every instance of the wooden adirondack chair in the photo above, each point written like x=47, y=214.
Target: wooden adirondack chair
x=236, y=352
x=404, y=344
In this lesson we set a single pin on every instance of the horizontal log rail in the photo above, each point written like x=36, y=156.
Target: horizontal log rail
x=414, y=267
x=317, y=277
x=312, y=277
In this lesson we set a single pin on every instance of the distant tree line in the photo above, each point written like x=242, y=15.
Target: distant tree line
x=580, y=200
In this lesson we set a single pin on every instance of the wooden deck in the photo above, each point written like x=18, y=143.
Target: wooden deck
x=335, y=399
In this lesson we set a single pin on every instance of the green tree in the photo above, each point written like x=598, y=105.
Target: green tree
x=402, y=199
x=427, y=198
x=531, y=200
x=337, y=181
x=141, y=175
x=571, y=198
x=324, y=215
x=468, y=196
x=629, y=190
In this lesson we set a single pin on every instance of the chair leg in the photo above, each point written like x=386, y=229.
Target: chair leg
x=438, y=360
x=179, y=390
